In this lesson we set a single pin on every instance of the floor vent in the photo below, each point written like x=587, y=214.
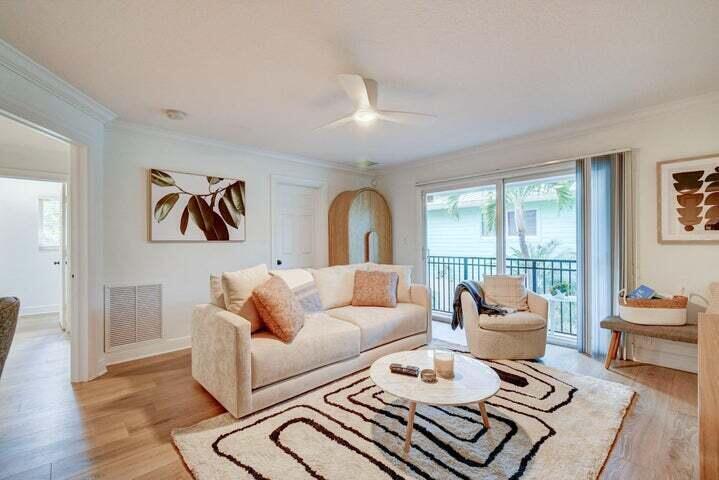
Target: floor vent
x=133, y=314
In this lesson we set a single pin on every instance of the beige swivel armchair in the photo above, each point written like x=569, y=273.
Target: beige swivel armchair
x=519, y=335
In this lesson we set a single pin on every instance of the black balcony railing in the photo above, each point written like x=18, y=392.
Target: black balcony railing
x=554, y=279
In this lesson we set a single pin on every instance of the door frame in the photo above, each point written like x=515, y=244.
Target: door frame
x=77, y=183
x=321, y=256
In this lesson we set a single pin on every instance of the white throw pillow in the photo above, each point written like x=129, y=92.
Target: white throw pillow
x=405, y=278
x=237, y=288
x=505, y=290
x=294, y=277
x=336, y=284
x=217, y=296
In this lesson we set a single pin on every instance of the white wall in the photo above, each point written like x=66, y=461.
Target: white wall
x=27, y=271
x=184, y=268
x=683, y=130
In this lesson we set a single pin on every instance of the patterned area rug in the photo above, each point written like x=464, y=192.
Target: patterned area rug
x=544, y=424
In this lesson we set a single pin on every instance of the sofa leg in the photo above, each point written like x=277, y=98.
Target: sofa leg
x=613, y=347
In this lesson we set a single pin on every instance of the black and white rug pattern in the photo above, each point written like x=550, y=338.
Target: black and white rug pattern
x=544, y=424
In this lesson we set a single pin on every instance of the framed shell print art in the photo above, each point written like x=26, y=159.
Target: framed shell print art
x=186, y=207
x=688, y=196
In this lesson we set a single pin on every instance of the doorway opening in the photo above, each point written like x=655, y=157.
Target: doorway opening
x=35, y=239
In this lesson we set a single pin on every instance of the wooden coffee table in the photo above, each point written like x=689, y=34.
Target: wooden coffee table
x=473, y=382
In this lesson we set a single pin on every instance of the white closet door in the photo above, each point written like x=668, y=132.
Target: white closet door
x=294, y=231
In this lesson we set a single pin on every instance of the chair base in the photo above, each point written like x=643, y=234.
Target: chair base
x=494, y=345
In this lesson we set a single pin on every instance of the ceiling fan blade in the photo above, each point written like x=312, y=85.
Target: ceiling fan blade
x=355, y=87
x=407, y=118
x=371, y=86
x=336, y=123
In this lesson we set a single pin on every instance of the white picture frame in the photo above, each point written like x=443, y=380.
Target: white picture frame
x=688, y=200
x=189, y=207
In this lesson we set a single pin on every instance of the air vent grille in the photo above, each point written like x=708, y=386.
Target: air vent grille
x=132, y=314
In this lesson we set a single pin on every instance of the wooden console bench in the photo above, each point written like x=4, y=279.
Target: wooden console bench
x=684, y=333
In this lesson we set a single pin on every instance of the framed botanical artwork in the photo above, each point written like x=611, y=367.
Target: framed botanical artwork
x=186, y=207
x=688, y=196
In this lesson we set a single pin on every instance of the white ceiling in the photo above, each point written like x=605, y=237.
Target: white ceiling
x=263, y=73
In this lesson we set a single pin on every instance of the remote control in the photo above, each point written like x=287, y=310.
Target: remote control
x=409, y=370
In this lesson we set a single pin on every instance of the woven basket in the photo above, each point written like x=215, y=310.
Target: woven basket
x=677, y=301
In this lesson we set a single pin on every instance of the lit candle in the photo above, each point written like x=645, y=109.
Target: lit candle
x=444, y=363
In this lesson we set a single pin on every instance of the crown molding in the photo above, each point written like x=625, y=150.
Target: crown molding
x=576, y=129
x=14, y=60
x=200, y=140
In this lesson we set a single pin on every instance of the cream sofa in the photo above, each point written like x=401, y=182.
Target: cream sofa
x=520, y=335
x=247, y=372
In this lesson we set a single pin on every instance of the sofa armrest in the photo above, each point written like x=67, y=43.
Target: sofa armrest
x=420, y=295
x=221, y=357
x=538, y=304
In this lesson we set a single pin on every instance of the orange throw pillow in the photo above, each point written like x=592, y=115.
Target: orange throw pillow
x=375, y=289
x=279, y=309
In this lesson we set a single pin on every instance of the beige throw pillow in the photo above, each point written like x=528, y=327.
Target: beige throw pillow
x=279, y=309
x=505, y=290
x=375, y=289
x=238, y=287
x=336, y=284
x=217, y=296
x=405, y=278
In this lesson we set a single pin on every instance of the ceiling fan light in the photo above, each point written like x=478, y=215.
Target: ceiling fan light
x=365, y=116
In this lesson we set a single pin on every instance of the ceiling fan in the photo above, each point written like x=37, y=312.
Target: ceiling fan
x=363, y=93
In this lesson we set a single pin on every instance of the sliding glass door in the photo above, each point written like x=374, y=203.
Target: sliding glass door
x=519, y=226
x=568, y=228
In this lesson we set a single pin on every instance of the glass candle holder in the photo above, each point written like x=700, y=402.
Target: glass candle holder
x=444, y=363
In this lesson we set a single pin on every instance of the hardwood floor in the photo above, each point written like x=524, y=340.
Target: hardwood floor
x=118, y=426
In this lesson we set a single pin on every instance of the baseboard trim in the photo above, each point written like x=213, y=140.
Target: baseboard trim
x=148, y=349
x=39, y=310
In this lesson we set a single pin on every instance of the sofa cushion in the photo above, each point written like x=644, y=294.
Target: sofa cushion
x=323, y=340
x=405, y=278
x=505, y=290
x=237, y=288
x=514, y=322
x=336, y=284
x=303, y=285
x=375, y=289
x=380, y=325
x=279, y=309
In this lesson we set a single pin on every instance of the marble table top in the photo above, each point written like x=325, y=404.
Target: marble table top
x=473, y=380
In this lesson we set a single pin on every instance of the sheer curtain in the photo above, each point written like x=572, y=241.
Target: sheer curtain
x=607, y=238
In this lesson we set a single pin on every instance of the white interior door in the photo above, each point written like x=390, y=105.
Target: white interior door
x=294, y=233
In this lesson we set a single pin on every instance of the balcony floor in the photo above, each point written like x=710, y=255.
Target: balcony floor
x=443, y=331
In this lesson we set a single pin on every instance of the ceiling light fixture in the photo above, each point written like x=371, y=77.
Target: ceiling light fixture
x=173, y=114
x=365, y=116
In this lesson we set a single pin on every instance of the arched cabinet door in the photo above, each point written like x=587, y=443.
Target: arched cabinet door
x=360, y=228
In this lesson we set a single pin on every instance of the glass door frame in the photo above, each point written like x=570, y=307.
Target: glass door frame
x=498, y=180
